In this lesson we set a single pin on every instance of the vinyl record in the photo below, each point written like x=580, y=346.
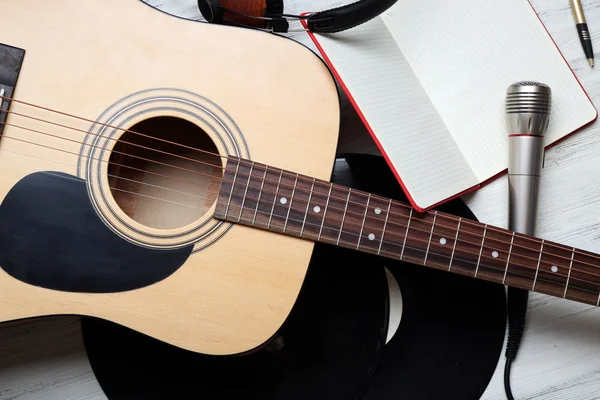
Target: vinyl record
x=452, y=327
x=449, y=340
x=447, y=345
x=327, y=349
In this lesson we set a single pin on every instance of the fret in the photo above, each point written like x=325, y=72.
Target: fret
x=260, y=192
x=239, y=185
x=537, y=268
x=495, y=252
x=569, y=274
x=406, y=234
x=264, y=207
x=430, y=236
x=341, y=217
x=275, y=199
x=314, y=218
x=245, y=196
x=353, y=219
x=325, y=211
x=233, y=182
x=225, y=192
x=362, y=226
x=298, y=204
x=287, y=217
x=512, y=239
x=553, y=271
x=312, y=186
x=454, y=245
x=419, y=228
x=467, y=248
x=344, y=217
x=249, y=198
x=282, y=204
x=524, y=256
x=372, y=219
x=398, y=221
x=439, y=254
x=387, y=215
x=584, y=282
x=480, y=250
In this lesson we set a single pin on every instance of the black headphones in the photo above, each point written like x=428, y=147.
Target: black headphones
x=268, y=14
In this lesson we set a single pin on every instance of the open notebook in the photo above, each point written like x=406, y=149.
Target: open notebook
x=429, y=78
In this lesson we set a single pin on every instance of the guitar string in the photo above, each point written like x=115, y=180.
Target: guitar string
x=332, y=207
x=335, y=220
x=220, y=167
x=530, y=239
x=539, y=279
x=170, y=142
x=112, y=151
x=308, y=180
x=100, y=160
x=115, y=177
x=178, y=144
x=214, y=166
x=118, y=140
x=60, y=137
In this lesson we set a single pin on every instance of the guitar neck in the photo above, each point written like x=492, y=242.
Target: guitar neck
x=284, y=202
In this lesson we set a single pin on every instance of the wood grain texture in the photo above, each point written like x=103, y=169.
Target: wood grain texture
x=559, y=355
x=264, y=277
x=50, y=349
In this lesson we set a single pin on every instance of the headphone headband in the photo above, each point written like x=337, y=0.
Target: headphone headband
x=348, y=16
x=272, y=16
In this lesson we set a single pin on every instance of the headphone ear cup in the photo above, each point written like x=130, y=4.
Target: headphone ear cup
x=255, y=8
x=210, y=10
x=242, y=12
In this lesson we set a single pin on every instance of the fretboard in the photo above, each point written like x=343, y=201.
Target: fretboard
x=284, y=202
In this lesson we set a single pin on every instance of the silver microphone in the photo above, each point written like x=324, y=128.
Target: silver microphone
x=528, y=106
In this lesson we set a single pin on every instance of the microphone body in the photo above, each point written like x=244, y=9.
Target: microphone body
x=527, y=117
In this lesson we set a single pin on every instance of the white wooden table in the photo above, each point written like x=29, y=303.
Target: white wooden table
x=560, y=354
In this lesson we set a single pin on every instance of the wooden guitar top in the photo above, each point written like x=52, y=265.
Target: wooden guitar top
x=90, y=241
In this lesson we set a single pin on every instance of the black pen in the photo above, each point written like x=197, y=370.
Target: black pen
x=582, y=29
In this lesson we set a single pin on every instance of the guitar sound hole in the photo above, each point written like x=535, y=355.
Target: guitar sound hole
x=162, y=176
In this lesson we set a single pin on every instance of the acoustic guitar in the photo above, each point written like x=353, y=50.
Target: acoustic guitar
x=173, y=177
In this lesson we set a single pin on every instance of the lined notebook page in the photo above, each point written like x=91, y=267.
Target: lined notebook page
x=467, y=54
x=399, y=112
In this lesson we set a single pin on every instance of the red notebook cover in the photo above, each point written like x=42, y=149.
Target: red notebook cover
x=373, y=135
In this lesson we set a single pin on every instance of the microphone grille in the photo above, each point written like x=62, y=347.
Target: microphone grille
x=528, y=97
x=529, y=83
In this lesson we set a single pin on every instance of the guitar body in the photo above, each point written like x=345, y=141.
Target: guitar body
x=87, y=230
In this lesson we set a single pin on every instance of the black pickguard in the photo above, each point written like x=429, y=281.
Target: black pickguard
x=52, y=237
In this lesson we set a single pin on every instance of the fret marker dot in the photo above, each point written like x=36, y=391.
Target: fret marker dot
x=378, y=211
x=443, y=240
x=371, y=236
x=283, y=200
x=495, y=254
x=554, y=268
x=317, y=209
